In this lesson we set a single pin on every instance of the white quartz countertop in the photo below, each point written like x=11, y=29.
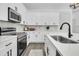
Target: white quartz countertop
x=65, y=49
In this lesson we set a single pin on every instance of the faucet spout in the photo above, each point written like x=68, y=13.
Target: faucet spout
x=69, y=29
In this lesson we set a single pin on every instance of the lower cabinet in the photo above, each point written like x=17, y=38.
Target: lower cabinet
x=49, y=47
x=34, y=36
x=3, y=51
x=9, y=47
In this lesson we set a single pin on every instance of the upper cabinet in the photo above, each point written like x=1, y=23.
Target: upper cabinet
x=22, y=10
x=42, y=18
x=19, y=7
x=4, y=10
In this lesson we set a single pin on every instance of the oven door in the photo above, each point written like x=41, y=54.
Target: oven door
x=21, y=45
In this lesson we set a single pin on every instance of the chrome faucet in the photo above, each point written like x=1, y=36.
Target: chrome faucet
x=69, y=33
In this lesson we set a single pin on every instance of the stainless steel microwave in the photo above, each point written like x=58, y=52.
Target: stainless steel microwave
x=13, y=15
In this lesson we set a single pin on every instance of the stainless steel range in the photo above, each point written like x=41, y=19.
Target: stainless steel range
x=7, y=31
x=21, y=43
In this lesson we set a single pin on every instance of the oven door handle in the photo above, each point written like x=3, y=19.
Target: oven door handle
x=8, y=44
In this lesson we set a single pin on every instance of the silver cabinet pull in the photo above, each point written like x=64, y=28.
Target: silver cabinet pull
x=47, y=50
x=8, y=44
x=10, y=52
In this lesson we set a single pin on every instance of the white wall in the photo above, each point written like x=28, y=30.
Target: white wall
x=75, y=20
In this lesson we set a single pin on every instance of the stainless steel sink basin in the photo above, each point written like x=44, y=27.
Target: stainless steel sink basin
x=63, y=40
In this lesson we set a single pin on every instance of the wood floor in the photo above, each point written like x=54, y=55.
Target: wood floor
x=35, y=49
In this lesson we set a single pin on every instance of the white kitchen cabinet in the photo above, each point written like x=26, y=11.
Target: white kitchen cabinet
x=49, y=18
x=19, y=7
x=4, y=10
x=22, y=10
x=12, y=48
x=49, y=47
x=8, y=46
x=32, y=19
x=43, y=18
x=34, y=37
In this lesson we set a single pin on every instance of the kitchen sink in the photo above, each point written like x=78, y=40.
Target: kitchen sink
x=62, y=39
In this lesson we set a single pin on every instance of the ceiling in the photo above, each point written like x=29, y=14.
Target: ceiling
x=57, y=6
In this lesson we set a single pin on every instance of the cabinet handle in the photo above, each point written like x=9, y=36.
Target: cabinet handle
x=10, y=52
x=47, y=50
x=8, y=44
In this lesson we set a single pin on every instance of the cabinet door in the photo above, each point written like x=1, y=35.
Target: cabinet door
x=11, y=46
x=43, y=18
x=6, y=52
x=51, y=18
x=4, y=10
x=8, y=46
x=14, y=48
x=22, y=11
x=35, y=36
x=3, y=51
x=30, y=37
x=49, y=47
x=39, y=36
x=11, y=49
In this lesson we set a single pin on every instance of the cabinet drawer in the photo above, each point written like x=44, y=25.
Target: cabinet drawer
x=4, y=41
x=7, y=38
x=8, y=46
x=7, y=43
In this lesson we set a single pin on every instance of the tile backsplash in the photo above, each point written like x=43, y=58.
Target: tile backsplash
x=44, y=30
